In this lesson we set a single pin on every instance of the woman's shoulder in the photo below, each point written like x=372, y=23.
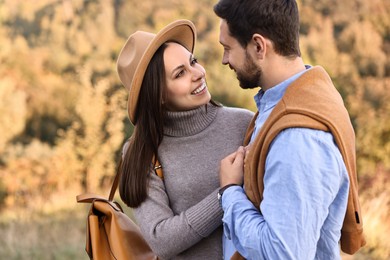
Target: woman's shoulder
x=235, y=115
x=235, y=119
x=237, y=111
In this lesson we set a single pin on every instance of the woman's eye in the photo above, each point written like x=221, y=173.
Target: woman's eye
x=194, y=61
x=180, y=74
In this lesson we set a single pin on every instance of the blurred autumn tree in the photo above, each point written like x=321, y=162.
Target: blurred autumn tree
x=63, y=110
x=61, y=101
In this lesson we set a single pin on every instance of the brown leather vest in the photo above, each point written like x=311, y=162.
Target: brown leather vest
x=311, y=101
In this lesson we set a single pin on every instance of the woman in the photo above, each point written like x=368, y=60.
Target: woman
x=177, y=123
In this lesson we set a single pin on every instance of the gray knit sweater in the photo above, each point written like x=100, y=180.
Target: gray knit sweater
x=181, y=218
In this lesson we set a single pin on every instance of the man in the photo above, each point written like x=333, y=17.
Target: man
x=300, y=187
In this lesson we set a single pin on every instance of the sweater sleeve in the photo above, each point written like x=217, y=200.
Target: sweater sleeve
x=169, y=234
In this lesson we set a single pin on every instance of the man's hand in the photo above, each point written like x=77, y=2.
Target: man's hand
x=232, y=168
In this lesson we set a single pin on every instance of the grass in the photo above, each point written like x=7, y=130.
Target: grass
x=43, y=233
x=34, y=235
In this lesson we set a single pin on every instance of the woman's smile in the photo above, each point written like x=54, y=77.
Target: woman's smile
x=200, y=90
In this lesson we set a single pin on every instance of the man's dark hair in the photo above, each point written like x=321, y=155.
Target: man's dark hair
x=277, y=20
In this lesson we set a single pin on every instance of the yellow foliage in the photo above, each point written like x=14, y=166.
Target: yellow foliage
x=97, y=135
x=13, y=111
x=366, y=45
x=29, y=174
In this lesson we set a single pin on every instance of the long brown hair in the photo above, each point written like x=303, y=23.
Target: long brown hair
x=147, y=135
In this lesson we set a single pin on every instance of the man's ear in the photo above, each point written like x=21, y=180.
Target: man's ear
x=260, y=45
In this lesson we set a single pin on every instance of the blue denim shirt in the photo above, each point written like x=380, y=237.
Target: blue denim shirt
x=305, y=195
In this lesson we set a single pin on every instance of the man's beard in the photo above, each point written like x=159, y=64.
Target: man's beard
x=249, y=77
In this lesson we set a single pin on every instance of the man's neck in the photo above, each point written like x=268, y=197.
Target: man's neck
x=280, y=69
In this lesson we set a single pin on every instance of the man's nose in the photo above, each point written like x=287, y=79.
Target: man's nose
x=225, y=59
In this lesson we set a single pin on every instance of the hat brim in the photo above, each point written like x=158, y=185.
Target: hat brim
x=181, y=31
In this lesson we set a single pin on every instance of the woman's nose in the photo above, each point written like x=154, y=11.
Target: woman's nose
x=198, y=74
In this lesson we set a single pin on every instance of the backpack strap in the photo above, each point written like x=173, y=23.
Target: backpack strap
x=157, y=168
x=116, y=180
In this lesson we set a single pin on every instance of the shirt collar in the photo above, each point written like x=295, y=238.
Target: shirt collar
x=268, y=99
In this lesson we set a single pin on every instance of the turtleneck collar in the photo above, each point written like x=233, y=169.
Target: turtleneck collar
x=187, y=123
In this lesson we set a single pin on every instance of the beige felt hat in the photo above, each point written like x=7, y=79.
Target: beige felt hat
x=139, y=49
